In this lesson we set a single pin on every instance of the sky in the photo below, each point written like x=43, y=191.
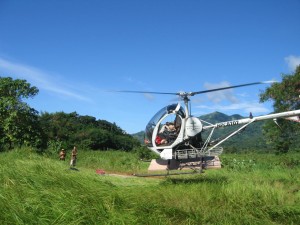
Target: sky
x=77, y=53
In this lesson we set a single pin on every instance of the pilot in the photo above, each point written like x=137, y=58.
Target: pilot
x=167, y=134
x=171, y=133
x=161, y=138
x=164, y=127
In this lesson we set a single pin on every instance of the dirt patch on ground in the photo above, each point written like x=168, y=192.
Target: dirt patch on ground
x=116, y=174
x=119, y=175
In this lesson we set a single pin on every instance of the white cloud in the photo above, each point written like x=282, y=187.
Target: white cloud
x=239, y=108
x=292, y=61
x=218, y=96
x=228, y=102
x=39, y=78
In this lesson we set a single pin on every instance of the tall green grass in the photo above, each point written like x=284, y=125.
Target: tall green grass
x=252, y=189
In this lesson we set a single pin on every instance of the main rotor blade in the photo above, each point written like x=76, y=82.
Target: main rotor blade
x=150, y=92
x=224, y=88
x=183, y=94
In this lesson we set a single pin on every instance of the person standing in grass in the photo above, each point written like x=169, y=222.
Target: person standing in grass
x=73, y=157
x=62, y=155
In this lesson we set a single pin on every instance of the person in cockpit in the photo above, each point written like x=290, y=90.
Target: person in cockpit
x=167, y=134
x=164, y=128
x=171, y=133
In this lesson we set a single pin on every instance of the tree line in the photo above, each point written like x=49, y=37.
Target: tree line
x=22, y=125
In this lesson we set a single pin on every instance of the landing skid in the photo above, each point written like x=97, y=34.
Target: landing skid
x=167, y=174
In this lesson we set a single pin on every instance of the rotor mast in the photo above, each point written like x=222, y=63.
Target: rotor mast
x=185, y=97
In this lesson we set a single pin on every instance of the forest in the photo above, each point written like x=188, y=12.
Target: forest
x=22, y=125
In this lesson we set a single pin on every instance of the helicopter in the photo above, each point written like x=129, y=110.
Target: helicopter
x=176, y=136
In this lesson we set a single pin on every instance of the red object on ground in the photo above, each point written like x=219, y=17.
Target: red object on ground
x=100, y=172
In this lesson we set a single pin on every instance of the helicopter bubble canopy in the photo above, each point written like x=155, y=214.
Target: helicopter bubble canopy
x=174, y=111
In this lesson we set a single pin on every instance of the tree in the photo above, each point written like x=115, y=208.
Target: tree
x=19, y=122
x=86, y=132
x=285, y=97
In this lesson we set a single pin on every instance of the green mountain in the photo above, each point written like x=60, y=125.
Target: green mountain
x=248, y=139
x=217, y=117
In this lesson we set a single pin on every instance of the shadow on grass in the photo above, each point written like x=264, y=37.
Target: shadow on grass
x=196, y=179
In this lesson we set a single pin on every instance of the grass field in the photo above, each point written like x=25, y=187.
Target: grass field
x=249, y=189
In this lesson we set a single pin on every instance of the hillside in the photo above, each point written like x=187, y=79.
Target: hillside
x=249, y=138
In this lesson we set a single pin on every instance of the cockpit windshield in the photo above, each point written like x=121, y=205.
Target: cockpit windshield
x=158, y=116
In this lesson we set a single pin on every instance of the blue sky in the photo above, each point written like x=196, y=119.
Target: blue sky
x=76, y=50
